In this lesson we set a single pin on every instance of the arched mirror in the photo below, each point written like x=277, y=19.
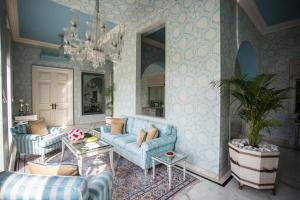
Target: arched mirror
x=246, y=62
x=153, y=88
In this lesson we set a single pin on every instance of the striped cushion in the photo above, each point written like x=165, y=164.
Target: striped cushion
x=100, y=186
x=25, y=186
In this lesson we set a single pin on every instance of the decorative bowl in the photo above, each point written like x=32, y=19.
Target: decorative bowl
x=170, y=155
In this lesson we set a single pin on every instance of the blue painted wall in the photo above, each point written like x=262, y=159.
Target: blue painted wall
x=247, y=60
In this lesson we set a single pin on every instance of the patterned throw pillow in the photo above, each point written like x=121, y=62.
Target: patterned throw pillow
x=53, y=169
x=152, y=133
x=141, y=137
x=116, y=127
x=21, y=129
x=38, y=127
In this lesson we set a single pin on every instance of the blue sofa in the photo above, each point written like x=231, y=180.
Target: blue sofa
x=125, y=144
x=15, y=185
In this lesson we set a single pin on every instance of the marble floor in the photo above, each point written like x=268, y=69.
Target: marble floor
x=288, y=187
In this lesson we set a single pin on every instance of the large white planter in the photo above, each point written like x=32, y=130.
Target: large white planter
x=253, y=168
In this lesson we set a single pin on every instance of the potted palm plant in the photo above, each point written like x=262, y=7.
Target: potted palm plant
x=254, y=162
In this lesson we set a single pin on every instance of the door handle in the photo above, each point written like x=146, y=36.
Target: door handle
x=52, y=106
x=55, y=106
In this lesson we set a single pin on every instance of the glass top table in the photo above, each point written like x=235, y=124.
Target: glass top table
x=84, y=149
x=169, y=162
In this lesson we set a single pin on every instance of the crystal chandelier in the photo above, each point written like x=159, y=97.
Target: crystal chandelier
x=98, y=45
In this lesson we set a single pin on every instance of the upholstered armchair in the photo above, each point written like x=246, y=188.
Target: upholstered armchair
x=28, y=143
x=16, y=185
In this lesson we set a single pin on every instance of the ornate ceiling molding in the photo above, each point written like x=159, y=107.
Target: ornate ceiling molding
x=250, y=7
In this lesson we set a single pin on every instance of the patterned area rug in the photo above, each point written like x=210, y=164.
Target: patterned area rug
x=130, y=181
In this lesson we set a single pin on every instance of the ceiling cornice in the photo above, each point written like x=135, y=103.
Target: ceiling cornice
x=12, y=9
x=250, y=7
x=153, y=43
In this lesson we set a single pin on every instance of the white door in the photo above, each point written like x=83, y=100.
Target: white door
x=52, y=95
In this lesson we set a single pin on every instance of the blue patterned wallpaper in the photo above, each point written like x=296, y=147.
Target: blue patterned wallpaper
x=277, y=50
x=192, y=62
x=24, y=56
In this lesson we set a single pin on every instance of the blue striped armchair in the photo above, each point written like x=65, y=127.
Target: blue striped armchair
x=15, y=185
x=28, y=143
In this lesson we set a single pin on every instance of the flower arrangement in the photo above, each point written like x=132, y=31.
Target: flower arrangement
x=76, y=135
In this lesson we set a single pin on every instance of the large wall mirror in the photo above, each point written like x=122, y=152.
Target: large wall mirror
x=153, y=72
x=246, y=62
x=93, y=99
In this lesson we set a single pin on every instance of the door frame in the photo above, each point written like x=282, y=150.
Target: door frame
x=56, y=69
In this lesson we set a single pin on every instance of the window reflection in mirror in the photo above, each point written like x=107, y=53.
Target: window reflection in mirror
x=153, y=73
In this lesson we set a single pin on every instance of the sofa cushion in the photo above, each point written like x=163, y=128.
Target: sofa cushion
x=129, y=124
x=133, y=148
x=53, y=169
x=163, y=129
x=117, y=127
x=138, y=125
x=141, y=137
x=107, y=137
x=121, y=120
x=152, y=133
x=21, y=128
x=38, y=127
x=123, y=141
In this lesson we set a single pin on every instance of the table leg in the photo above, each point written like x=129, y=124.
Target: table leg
x=170, y=176
x=153, y=169
x=62, y=151
x=80, y=165
x=184, y=169
x=111, y=160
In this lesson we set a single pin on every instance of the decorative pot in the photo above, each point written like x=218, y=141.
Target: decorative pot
x=254, y=168
x=170, y=155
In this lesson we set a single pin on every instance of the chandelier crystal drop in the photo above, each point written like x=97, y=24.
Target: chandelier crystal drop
x=99, y=45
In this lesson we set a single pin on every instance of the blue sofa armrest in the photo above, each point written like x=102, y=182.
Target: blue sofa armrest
x=105, y=128
x=158, y=142
x=55, y=130
x=100, y=186
x=26, y=137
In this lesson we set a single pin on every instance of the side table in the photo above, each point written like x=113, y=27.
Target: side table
x=162, y=158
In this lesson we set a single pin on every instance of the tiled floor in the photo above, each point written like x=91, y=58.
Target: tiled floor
x=288, y=187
